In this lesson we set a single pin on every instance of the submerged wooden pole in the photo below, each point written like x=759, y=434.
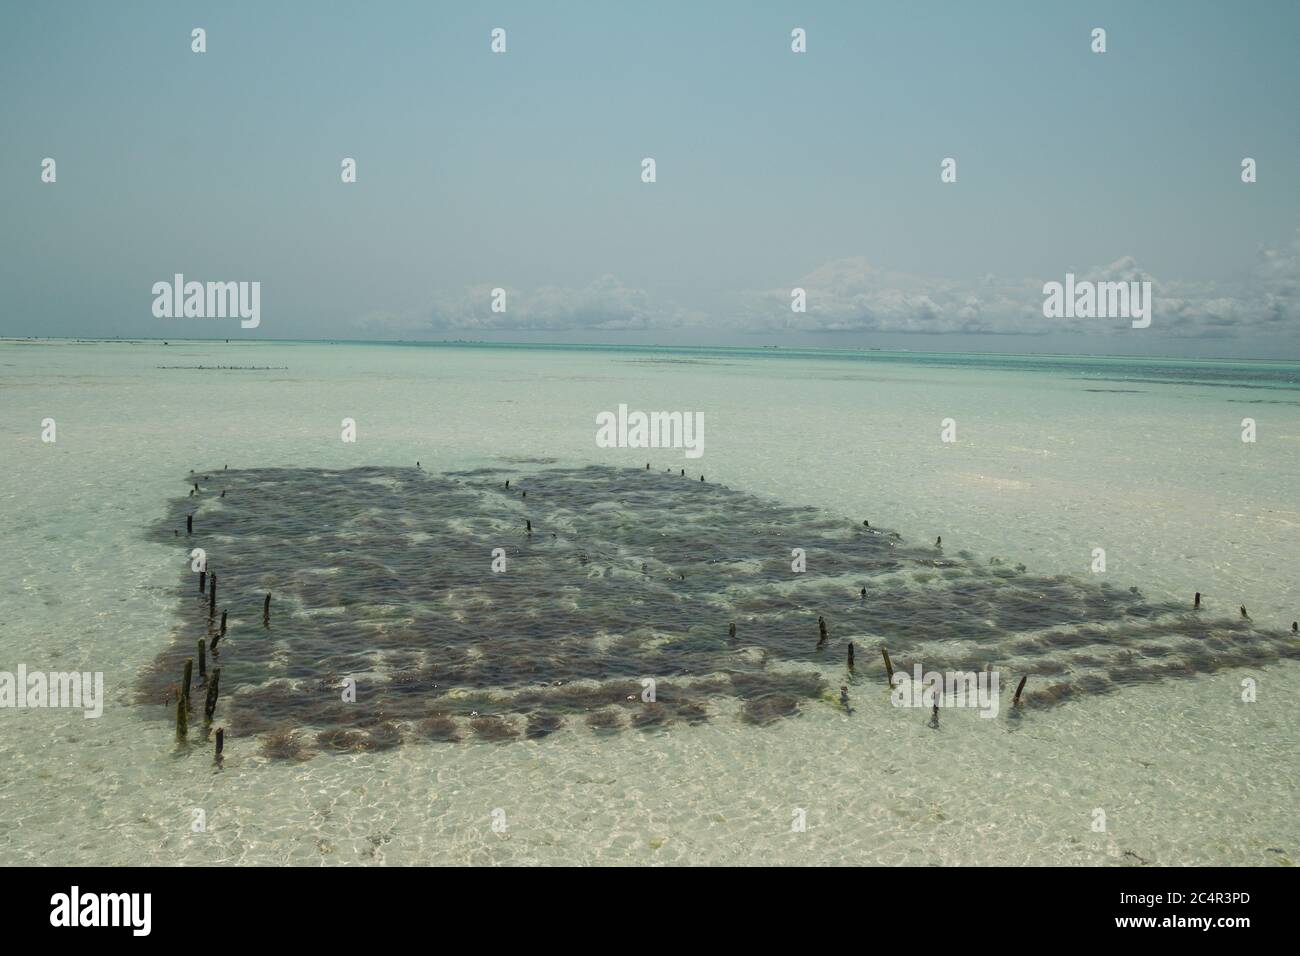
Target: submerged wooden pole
x=1198, y=600
x=1020, y=687
x=203, y=659
x=850, y=655
x=266, y=610
x=223, y=624
x=212, y=595
x=1243, y=612
x=189, y=524
x=731, y=629
x=210, y=704
x=221, y=740
x=821, y=630
x=889, y=665
x=203, y=582
x=182, y=721
x=1295, y=627
x=189, y=677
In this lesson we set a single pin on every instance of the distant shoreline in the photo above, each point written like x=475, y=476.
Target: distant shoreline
x=748, y=350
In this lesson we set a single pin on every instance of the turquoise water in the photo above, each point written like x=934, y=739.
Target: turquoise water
x=1055, y=456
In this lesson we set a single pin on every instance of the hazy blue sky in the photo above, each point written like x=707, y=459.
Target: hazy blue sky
x=775, y=170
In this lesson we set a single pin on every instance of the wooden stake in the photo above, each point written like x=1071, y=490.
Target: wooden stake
x=182, y=721
x=189, y=677
x=266, y=610
x=221, y=740
x=210, y=705
x=203, y=659
x=850, y=655
x=731, y=630
x=212, y=595
x=189, y=524
x=1198, y=600
x=1020, y=687
x=889, y=666
x=223, y=624
x=821, y=630
x=203, y=582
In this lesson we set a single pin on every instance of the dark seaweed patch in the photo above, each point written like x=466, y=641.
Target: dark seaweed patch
x=382, y=582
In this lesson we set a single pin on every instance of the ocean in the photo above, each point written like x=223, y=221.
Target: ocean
x=1150, y=733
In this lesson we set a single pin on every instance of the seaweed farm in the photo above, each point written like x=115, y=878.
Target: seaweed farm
x=505, y=603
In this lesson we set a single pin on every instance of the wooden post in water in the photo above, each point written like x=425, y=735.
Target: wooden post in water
x=850, y=655
x=221, y=740
x=1243, y=612
x=189, y=524
x=203, y=582
x=189, y=677
x=212, y=596
x=1020, y=687
x=182, y=721
x=821, y=630
x=889, y=666
x=203, y=659
x=731, y=630
x=266, y=610
x=210, y=704
x=223, y=623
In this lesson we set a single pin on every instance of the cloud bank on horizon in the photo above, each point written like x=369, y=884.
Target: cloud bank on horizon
x=851, y=296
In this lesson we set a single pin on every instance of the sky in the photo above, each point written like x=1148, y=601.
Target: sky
x=775, y=170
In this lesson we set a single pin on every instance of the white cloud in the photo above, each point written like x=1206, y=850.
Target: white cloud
x=853, y=296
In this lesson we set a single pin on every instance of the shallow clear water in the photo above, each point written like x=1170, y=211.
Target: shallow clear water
x=1054, y=457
